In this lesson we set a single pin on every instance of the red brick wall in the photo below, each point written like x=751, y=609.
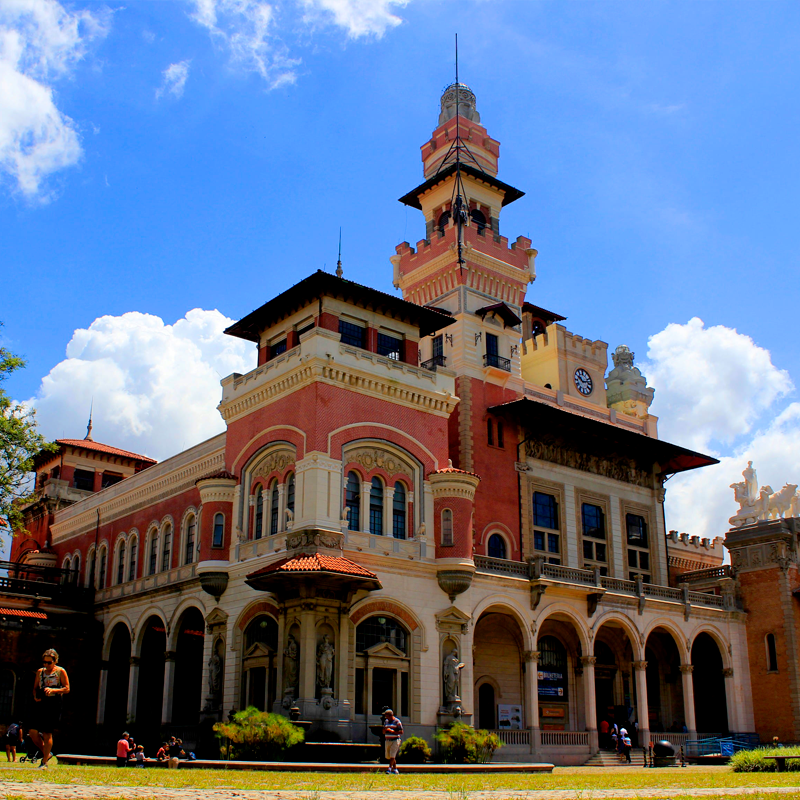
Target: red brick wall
x=462, y=527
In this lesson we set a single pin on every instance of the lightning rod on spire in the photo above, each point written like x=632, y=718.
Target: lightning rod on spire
x=339, y=271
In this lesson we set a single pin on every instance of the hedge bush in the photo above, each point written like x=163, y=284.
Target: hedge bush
x=253, y=735
x=462, y=744
x=414, y=750
x=754, y=761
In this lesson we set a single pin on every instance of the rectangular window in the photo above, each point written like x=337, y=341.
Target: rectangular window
x=389, y=346
x=447, y=528
x=638, y=554
x=132, y=559
x=277, y=348
x=190, y=541
x=153, y=554
x=219, y=531
x=165, y=553
x=538, y=540
x=552, y=542
x=593, y=521
x=351, y=334
x=109, y=479
x=637, y=530
x=83, y=480
x=545, y=510
x=304, y=329
x=438, y=346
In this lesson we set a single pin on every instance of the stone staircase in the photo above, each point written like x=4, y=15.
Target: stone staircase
x=607, y=758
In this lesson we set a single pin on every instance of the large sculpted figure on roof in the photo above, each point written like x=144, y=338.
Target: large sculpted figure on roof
x=755, y=505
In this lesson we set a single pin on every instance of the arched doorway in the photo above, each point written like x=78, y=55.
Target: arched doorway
x=615, y=682
x=188, y=685
x=498, y=669
x=383, y=666
x=710, y=704
x=259, y=666
x=561, y=681
x=664, y=684
x=119, y=665
x=150, y=693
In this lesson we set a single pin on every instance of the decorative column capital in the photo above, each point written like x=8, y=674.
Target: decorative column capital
x=170, y=655
x=532, y=656
x=134, y=661
x=104, y=665
x=687, y=669
x=727, y=672
x=642, y=665
x=588, y=661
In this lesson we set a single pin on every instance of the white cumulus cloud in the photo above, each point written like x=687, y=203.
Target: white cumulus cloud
x=717, y=391
x=40, y=43
x=357, y=17
x=174, y=81
x=155, y=386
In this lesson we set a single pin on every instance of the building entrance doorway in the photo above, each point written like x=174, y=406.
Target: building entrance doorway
x=486, y=707
x=382, y=689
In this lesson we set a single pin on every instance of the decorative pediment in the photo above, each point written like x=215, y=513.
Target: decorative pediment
x=259, y=650
x=275, y=460
x=452, y=620
x=372, y=457
x=385, y=650
x=216, y=618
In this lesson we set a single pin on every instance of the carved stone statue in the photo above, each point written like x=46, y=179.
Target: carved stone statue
x=755, y=505
x=451, y=676
x=291, y=661
x=627, y=391
x=214, y=674
x=325, y=653
x=289, y=518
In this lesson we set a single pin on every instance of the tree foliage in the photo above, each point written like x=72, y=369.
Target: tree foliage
x=462, y=744
x=19, y=443
x=253, y=735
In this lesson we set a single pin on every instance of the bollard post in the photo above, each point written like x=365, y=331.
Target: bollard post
x=683, y=757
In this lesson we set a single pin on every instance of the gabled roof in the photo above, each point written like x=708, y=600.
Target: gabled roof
x=323, y=284
x=591, y=435
x=510, y=194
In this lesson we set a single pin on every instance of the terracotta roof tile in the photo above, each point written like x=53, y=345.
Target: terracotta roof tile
x=21, y=612
x=316, y=563
x=87, y=444
x=220, y=473
x=451, y=470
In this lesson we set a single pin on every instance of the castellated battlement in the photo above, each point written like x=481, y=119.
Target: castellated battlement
x=695, y=544
x=588, y=348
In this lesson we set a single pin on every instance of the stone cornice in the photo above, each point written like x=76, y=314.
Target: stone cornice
x=453, y=484
x=163, y=483
x=364, y=381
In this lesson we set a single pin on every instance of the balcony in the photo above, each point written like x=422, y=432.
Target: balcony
x=496, y=361
x=542, y=573
x=432, y=363
x=50, y=584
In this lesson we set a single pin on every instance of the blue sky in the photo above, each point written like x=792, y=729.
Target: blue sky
x=159, y=157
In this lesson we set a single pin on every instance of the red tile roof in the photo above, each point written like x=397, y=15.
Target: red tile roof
x=88, y=444
x=21, y=612
x=451, y=470
x=316, y=563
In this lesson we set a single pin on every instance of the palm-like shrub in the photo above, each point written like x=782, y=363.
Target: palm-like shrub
x=462, y=744
x=414, y=750
x=253, y=735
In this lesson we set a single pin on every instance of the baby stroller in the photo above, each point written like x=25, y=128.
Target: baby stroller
x=32, y=755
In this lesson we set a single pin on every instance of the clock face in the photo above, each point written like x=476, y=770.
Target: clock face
x=583, y=382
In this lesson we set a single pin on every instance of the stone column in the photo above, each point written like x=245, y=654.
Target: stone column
x=590, y=700
x=280, y=656
x=467, y=681
x=308, y=654
x=532, y=697
x=282, y=507
x=365, y=489
x=688, y=699
x=342, y=658
x=388, y=499
x=169, y=686
x=730, y=704
x=102, y=689
x=642, y=706
x=133, y=687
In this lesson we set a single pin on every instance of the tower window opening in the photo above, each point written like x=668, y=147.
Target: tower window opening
x=218, y=537
x=500, y=442
x=83, y=479
x=447, y=528
x=496, y=546
x=351, y=333
x=479, y=220
x=772, y=653
x=444, y=221
x=489, y=432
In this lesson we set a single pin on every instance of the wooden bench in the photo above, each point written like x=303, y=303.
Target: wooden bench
x=780, y=761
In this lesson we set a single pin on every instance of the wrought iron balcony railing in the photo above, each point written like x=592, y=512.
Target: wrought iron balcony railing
x=432, y=363
x=493, y=360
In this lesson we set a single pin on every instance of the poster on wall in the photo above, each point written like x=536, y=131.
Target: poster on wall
x=509, y=717
x=552, y=685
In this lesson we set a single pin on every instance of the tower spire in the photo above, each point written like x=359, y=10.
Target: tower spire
x=459, y=212
x=88, y=437
x=339, y=271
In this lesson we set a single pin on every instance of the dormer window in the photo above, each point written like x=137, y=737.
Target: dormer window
x=351, y=333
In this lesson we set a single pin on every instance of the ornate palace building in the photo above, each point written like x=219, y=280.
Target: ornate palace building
x=444, y=503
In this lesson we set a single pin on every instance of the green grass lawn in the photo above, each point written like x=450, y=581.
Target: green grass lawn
x=457, y=784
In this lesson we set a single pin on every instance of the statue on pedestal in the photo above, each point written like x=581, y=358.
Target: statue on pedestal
x=291, y=660
x=451, y=677
x=325, y=653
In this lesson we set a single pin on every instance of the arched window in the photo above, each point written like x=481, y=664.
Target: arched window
x=191, y=525
x=273, y=509
x=497, y=546
x=376, y=507
x=259, y=526
x=133, y=552
x=153, y=554
x=447, y=527
x=444, y=221
x=553, y=664
x=90, y=576
x=76, y=567
x=353, y=501
x=388, y=684
x=479, y=220
x=121, y=563
x=290, y=494
x=399, y=511
x=101, y=572
x=218, y=536
x=772, y=653
x=166, y=553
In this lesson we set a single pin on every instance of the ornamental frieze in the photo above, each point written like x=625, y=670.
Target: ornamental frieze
x=614, y=467
x=277, y=460
x=374, y=457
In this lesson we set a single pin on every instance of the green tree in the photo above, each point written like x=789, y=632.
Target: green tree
x=19, y=443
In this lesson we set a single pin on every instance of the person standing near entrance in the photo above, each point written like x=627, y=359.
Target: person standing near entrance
x=392, y=731
x=123, y=748
x=13, y=739
x=49, y=686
